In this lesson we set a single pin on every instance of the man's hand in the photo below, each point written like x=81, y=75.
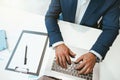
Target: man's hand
x=87, y=62
x=63, y=54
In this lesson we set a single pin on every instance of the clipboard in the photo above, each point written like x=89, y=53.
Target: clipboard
x=28, y=54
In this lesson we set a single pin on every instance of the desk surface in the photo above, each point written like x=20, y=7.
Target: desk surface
x=14, y=21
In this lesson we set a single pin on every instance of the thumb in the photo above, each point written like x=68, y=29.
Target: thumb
x=79, y=59
x=72, y=54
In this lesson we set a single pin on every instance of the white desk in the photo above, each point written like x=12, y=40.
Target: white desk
x=14, y=21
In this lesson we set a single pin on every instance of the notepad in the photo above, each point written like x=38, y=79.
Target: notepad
x=3, y=40
x=28, y=53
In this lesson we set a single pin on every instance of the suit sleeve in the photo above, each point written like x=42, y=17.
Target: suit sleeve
x=51, y=18
x=110, y=27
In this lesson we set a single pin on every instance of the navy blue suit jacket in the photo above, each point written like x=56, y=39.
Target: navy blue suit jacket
x=108, y=9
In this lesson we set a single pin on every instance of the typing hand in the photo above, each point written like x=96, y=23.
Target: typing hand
x=63, y=54
x=87, y=64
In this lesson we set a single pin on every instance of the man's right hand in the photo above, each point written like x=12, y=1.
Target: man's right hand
x=63, y=54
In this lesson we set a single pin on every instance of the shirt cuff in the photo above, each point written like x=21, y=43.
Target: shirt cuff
x=97, y=54
x=57, y=43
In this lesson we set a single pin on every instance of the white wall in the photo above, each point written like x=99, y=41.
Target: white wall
x=34, y=6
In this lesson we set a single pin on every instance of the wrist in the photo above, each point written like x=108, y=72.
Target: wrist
x=62, y=44
x=57, y=44
x=96, y=58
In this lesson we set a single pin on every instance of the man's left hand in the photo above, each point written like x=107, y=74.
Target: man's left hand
x=87, y=63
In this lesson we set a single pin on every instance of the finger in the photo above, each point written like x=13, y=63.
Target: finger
x=57, y=60
x=83, y=70
x=79, y=59
x=72, y=54
x=87, y=71
x=68, y=59
x=60, y=61
x=91, y=71
x=80, y=66
x=64, y=64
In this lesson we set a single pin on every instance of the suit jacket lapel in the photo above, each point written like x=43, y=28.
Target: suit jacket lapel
x=93, y=5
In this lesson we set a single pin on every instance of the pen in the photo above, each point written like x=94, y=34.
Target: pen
x=25, y=58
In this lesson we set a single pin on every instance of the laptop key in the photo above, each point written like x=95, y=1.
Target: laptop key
x=71, y=71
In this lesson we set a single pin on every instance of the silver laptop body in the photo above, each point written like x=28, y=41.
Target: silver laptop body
x=54, y=70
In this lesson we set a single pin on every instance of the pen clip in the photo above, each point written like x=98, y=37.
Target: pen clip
x=21, y=70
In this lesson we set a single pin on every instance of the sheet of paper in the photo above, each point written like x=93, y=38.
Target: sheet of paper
x=35, y=44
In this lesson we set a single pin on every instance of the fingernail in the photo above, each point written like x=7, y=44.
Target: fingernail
x=75, y=62
x=76, y=68
x=64, y=65
x=69, y=63
x=79, y=72
x=74, y=55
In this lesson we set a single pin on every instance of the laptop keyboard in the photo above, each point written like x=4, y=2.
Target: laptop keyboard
x=71, y=71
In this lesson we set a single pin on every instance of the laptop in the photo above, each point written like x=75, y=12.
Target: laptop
x=54, y=70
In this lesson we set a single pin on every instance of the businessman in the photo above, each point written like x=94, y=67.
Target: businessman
x=100, y=14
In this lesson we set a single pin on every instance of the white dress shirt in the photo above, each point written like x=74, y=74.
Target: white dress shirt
x=81, y=8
